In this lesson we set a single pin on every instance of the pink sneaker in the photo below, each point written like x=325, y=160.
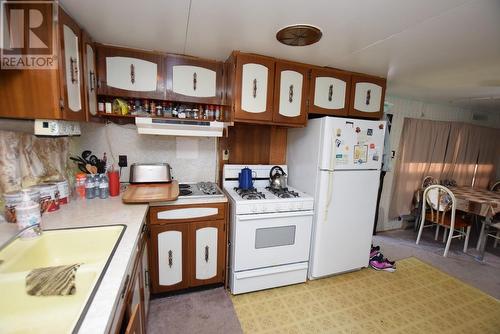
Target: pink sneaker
x=379, y=263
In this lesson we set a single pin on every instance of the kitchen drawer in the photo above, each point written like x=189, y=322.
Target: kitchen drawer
x=172, y=214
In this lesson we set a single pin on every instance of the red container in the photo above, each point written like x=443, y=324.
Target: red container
x=114, y=183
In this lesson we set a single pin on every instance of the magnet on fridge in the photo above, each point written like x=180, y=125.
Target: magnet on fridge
x=372, y=145
x=375, y=157
x=346, y=148
x=381, y=126
x=338, y=142
x=369, y=132
x=339, y=132
x=358, y=130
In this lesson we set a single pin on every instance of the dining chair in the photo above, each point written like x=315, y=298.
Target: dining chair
x=495, y=186
x=426, y=181
x=442, y=213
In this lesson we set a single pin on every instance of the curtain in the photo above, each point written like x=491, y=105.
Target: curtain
x=488, y=156
x=461, y=155
x=421, y=152
x=465, y=153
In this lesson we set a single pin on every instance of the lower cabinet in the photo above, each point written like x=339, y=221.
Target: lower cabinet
x=132, y=310
x=187, y=254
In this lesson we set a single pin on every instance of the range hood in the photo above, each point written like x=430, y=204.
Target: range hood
x=171, y=127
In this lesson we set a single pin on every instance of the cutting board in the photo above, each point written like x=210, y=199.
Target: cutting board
x=153, y=192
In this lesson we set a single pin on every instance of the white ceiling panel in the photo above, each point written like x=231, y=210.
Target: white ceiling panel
x=434, y=50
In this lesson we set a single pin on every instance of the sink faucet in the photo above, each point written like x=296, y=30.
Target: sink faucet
x=36, y=227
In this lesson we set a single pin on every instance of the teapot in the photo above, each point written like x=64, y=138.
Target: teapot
x=277, y=178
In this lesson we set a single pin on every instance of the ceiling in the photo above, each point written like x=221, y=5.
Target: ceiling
x=445, y=51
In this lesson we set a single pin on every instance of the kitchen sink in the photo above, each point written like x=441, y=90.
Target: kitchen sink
x=92, y=247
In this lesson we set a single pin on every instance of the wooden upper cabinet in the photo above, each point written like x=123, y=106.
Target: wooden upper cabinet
x=329, y=93
x=71, y=70
x=48, y=93
x=253, y=88
x=367, y=97
x=290, y=93
x=195, y=80
x=130, y=73
x=89, y=76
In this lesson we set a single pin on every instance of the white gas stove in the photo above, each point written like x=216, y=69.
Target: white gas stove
x=270, y=232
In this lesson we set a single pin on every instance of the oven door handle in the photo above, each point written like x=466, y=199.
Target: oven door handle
x=258, y=216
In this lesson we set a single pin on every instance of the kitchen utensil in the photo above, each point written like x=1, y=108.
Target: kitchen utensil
x=86, y=154
x=78, y=159
x=93, y=160
x=277, y=178
x=245, y=178
x=82, y=168
x=150, y=173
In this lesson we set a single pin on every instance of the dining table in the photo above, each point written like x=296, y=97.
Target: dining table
x=480, y=202
x=483, y=203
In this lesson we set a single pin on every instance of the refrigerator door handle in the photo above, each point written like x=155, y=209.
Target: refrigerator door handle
x=330, y=177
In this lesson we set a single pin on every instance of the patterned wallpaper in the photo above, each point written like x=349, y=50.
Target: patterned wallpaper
x=27, y=160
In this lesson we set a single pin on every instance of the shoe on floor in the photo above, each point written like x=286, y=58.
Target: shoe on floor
x=379, y=263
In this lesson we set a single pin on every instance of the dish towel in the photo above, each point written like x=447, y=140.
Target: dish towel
x=52, y=281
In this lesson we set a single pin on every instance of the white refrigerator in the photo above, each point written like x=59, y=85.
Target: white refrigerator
x=338, y=161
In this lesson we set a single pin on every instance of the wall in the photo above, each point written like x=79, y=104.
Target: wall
x=192, y=159
x=403, y=108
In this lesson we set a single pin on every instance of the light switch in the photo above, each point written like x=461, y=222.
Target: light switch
x=225, y=155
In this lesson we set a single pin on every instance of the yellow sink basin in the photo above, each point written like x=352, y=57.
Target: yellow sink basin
x=93, y=247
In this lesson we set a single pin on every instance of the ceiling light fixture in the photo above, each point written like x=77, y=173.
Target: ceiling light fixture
x=299, y=35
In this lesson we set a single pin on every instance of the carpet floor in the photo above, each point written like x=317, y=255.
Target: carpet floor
x=417, y=298
x=208, y=311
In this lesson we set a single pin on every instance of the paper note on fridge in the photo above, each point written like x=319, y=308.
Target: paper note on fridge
x=360, y=154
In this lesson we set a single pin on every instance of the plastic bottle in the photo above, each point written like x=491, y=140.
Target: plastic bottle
x=103, y=187
x=89, y=187
x=97, y=179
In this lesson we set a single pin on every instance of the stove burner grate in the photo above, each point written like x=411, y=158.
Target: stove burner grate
x=283, y=192
x=184, y=186
x=251, y=193
x=185, y=192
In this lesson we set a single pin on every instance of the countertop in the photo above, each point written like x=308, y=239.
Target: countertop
x=98, y=212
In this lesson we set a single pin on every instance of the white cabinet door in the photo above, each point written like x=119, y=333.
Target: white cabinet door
x=329, y=93
x=367, y=97
x=131, y=74
x=290, y=93
x=72, y=60
x=170, y=257
x=91, y=80
x=206, y=252
x=254, y=82
x=194, y=81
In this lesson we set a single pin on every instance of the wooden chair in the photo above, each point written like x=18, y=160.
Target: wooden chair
x=442, y=213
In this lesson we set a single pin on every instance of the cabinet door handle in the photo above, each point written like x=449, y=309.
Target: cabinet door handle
x=330, y=93
x=73, y=70
x=92, y=81
x=290, y=94
x=368, y=96
x=194, y=80
x=254, y=93
x=124, y=290
x=206, y=254
x=132, y=73
x=146, y=278
x=170, y=259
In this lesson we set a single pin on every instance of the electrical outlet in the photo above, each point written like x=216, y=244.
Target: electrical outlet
x=225, y=155
x=122, y=161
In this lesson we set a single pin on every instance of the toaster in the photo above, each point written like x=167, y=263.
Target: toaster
x=150, y=173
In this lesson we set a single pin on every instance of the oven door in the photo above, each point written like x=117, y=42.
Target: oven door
x=271, y=239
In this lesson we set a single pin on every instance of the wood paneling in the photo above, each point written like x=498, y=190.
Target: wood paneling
x=256, y=144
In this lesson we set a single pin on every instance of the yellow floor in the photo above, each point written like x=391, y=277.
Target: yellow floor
x=417, y=298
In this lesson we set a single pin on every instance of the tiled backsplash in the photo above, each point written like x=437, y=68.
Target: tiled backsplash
x=192, y=158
